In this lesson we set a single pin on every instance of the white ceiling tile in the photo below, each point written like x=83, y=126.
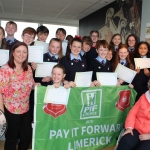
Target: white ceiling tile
x=80, y=4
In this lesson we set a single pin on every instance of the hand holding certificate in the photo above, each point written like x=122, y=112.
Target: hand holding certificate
x=125, y=73
x=35, y=54
x=142, y=63
x=105, y=78
x=44, y=69
x=83, y=79
x=4, y=56
x=56, y=95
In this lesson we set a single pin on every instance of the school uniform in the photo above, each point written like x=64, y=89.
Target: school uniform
x=140, y=83
x=131, y=53
x=73, y=65
x=99, y=65
x=90, y=55
x=11, y=42
x=83, y=54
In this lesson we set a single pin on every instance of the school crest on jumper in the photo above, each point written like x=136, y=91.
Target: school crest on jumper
x=54, y=110
x=124, y=100
x=91, y=104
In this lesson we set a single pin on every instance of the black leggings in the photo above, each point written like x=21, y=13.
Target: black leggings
x=132, y=142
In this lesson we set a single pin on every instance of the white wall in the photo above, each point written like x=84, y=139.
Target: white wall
x=145, y=18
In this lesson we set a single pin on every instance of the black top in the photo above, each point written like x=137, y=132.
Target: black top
x=72, y=67
x=97, y=66
x=90, y=55
x=12, y=44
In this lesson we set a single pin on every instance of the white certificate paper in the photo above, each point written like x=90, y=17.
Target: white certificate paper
x=142, y=62
x=4, y=56
x=125, y=73
x=64, y=47
x=44, y=69
x=56, y=95
x=83, y=79
x=40, y=43
x=105, y=78
x=35, y=54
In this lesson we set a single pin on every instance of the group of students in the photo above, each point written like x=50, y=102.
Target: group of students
x=87, y=53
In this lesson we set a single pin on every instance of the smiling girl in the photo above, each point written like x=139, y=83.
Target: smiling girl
x=73, y=62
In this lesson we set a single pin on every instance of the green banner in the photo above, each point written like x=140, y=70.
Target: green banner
x=92, y=119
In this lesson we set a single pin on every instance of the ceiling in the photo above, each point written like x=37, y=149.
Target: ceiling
x=53, y=11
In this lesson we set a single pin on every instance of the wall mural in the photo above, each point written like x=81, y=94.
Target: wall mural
x=125, y=18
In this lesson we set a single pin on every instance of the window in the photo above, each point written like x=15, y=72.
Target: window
x=20, y=27
x=52, y=30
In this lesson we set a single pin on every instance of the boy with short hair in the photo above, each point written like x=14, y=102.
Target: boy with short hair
x=42, y=33
x=11, y=29
x=61, y=34
x=28, y=35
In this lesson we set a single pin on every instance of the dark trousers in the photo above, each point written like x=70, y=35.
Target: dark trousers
x=132, y=142
x=19, y=126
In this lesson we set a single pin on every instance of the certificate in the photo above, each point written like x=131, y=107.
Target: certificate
x=4, y=56
x=56, y=95
x=83, y=79
x=106, y=78
x=142, y=62
x=35, y=54
x=125, y=73
x=40, y=43
x=64, y=47
x=44, y=69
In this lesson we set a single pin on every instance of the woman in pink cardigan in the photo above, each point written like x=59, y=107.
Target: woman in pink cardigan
x=137, y=125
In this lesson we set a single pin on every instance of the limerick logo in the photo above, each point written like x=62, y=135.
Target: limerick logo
x=91, y=104
x=124, y=100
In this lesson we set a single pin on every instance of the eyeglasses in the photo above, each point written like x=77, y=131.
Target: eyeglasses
x=28, y=36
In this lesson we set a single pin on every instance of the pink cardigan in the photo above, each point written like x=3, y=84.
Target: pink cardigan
x=139, y=116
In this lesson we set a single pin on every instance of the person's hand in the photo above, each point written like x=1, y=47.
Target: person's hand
x=131, y=86
x=143, y=137
x=92, y=84
x=128, y=130
x=37, y=84
x=33, y=65
x=137, y=70
x=46, y=79
x=70, y=84
x=120, y=81
x=146, y=72
x=97, y=83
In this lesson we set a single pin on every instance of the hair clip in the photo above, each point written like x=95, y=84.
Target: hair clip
x=78, y=36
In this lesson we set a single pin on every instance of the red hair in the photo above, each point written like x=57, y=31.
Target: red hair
x=117, y=60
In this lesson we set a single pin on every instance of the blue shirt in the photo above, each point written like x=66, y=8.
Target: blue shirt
x=82, y=52
x=124, y=61
x=12, y=40
x=56, y=56
x=72, y=57
x=101, y=59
